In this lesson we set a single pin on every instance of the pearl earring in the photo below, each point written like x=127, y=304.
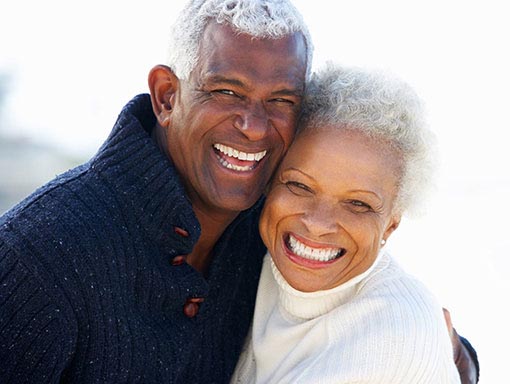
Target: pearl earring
x=383, y=242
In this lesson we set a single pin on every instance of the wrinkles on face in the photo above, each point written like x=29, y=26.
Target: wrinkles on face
x=334, y=190
x=236, y=106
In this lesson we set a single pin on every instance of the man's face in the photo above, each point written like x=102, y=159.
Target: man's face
x=233, y=121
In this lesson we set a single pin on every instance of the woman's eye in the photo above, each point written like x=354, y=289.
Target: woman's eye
x=298, y=188
x=360, y=205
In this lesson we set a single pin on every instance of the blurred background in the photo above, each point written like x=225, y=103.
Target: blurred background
x=67, y=68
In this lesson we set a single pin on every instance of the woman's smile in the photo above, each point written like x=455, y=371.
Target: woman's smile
x=306, y=253
x=328, y=209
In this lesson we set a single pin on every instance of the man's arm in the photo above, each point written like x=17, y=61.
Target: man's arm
x=465, y=355
x=35, y=343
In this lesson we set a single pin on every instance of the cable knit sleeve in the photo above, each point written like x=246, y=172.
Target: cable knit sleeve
x=36, y=341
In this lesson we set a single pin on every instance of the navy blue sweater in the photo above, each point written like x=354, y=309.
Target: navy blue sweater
x=88, y=290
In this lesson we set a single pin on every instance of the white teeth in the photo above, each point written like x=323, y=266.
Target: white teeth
x=231, y=152
x=226, y=164
x=317, y=254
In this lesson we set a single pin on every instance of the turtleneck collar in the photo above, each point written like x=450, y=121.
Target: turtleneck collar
x=309, y=305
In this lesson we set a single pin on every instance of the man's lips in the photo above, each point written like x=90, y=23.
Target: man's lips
x=314, y=253
x=237, y=160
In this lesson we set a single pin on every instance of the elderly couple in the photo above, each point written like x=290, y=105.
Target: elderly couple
x=146, y=265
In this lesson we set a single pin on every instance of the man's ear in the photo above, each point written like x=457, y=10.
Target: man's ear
x=163, y=85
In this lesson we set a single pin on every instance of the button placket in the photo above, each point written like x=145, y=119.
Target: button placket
x=178, y=260
x=191, y=306
x=181, y=232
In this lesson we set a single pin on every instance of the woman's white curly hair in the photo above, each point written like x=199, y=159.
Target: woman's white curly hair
x=258, y=18
x=382, y=107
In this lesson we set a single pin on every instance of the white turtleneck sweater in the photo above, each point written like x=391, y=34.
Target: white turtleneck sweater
x=382, y=326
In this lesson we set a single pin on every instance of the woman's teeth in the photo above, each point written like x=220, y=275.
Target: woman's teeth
x=317, y=254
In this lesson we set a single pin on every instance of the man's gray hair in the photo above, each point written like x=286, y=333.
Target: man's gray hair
x=382, y=107
x=271, y=19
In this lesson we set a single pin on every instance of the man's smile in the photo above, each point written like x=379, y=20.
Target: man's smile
x=237, y=160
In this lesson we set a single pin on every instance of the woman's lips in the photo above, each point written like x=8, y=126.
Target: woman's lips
x=304, y=253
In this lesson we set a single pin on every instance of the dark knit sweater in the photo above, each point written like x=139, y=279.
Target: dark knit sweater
x=88, y=291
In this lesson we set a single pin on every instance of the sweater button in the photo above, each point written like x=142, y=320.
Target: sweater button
x=191, y=306
x=181, y=232
x=178, y=260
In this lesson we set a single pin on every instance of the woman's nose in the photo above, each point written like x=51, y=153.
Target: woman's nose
x=321, y=220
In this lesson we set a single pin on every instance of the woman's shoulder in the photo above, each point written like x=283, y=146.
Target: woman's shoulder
x=392, y=305
x=389, y=283
x=397, y=323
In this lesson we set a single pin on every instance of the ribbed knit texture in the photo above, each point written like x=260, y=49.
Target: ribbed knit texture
x=380, y=327
x=88, y=293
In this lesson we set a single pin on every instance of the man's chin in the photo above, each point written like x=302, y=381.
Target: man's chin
x=237, y=202
x=238, y=206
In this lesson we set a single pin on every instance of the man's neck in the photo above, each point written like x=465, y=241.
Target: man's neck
x=212, y=225
x=212, y=222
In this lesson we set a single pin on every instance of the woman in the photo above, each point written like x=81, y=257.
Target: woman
x=332, y=306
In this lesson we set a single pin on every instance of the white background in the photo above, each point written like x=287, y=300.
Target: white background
x=73, y=66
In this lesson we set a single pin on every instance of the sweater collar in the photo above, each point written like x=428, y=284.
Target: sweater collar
x=145, y=179
x=309, y=305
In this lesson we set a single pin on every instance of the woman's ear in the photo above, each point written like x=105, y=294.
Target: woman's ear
x=392, y=225
x=163, y=85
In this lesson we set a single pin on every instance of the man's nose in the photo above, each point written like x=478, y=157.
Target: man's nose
x=253, y=122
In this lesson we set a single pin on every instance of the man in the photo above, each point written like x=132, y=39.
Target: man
x=142, y=264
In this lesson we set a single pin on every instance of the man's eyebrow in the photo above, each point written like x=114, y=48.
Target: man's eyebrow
x=284, y=91
x=226, y=80
x=289, y=92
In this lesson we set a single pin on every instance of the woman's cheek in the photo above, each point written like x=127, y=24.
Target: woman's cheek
x=279, y=205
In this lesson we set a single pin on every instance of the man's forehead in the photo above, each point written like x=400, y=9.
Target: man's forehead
x=217, y=34
x=225, y=54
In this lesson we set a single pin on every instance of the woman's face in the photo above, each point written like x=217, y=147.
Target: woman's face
x=329, y=207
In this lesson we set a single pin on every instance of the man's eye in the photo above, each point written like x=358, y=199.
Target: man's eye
x=298, y=188
x=225, y=92
x=281, y=100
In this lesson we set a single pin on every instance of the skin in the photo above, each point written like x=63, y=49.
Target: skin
x=321, y=194
x=334, y=190
x=244, y=94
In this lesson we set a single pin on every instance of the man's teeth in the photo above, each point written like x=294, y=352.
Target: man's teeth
x=231, y=152
x=239, y=168
x=317, y=254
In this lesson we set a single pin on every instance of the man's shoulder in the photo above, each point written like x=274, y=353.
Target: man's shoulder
x=48, y=200
x=54, y=211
